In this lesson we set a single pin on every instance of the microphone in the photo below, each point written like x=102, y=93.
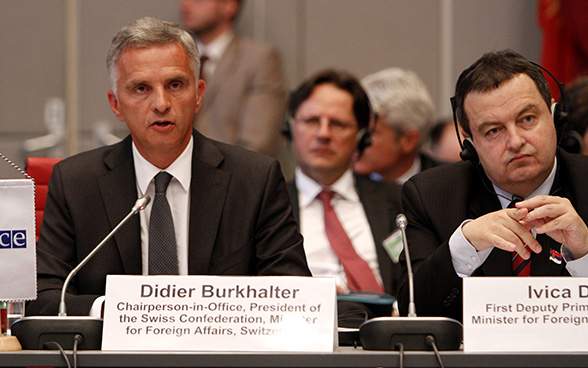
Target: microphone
x=411, y=332
x=34, y=332
x=401, y=223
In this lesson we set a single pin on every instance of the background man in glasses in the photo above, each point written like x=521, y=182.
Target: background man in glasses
x=327, y=121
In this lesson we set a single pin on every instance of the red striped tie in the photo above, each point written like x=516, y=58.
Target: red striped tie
x=520, y=266
x=359, y=274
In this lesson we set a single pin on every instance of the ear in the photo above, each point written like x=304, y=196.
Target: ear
x=410, y=140
x=113, y=101
x=231, y=8
x=199, y=94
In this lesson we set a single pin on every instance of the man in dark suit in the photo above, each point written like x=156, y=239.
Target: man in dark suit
x=405, y=114
x=230, y=211
x=326, y=115
x=516, y=207
x=245, y=84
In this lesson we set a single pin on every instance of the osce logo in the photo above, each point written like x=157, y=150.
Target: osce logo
x=15, y=239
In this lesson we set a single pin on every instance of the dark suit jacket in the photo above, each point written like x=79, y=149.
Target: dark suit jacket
x=381, y=202
x=428, y=162
x=245, y=98
x=241, y=221
x=438, y=200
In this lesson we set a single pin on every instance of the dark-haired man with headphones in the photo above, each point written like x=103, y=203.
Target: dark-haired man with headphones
x=516, y=206
x=328, y=122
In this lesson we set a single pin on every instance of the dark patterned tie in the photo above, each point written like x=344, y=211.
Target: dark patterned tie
x=163, y=251
x=520, y=266
x=359, y=274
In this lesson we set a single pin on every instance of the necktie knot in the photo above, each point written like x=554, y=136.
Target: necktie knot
x=326, y=196
x=514, y=200
x=162, y=180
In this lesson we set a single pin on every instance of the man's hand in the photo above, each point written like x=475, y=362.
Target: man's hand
x=556, y=217
x=503, y=229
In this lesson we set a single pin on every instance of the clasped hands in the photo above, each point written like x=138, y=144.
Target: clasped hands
x=510, y=229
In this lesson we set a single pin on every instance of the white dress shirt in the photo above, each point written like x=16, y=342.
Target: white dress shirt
x=214, y=51
x=178, y=196
x=466, y=259
x=322, y=261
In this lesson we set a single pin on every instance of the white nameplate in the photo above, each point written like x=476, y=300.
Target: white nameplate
x=525, y=314
x=219, y=313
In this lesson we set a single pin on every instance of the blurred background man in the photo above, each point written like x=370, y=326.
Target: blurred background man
x=326, y=114
x=245, y=84
x=405, y=113
x=442, y=144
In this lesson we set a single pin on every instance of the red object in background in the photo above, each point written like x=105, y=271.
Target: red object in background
x=564, y=50
x=40, y=169
x=4, y=319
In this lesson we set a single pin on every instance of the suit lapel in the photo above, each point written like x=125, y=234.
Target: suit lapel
x=377, y=210
x=293, y=192
x=119, y=193
x=208, y=189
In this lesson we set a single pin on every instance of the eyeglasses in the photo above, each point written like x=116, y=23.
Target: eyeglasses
x=313, y=124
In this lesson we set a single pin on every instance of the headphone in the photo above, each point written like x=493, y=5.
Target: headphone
x=558, y=110
x=364, y=135
x=572, y=141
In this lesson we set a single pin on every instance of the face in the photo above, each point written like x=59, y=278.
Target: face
x=158, y=97
x=383, y=154
x=514, y=135
x=325, y=133
x=201, y=16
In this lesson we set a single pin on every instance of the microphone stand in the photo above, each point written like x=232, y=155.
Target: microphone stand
x=411, y=332
x=37, y=332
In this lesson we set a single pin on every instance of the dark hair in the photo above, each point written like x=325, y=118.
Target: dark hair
x=489, y=72
x=342, y=80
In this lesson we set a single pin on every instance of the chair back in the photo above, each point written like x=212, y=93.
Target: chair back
x=40, y=169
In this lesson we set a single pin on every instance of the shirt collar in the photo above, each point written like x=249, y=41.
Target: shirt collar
x=309, y=189
x=414, y=169
x=215, y=50
x=505, y=198
x=181, y=168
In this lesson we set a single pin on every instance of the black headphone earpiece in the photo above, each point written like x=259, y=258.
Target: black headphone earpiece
x=364, y=139
x=560, y=120
x=468, y=151
x=572, y=142
x=286, y=126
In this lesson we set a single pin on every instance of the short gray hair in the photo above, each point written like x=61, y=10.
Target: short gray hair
x=400, y=97
x=147, y=32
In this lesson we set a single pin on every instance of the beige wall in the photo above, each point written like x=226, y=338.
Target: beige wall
x=435, y=38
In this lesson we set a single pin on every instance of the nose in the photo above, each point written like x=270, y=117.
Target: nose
x=516, y=139
x=161, y=102
x=324, y=129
